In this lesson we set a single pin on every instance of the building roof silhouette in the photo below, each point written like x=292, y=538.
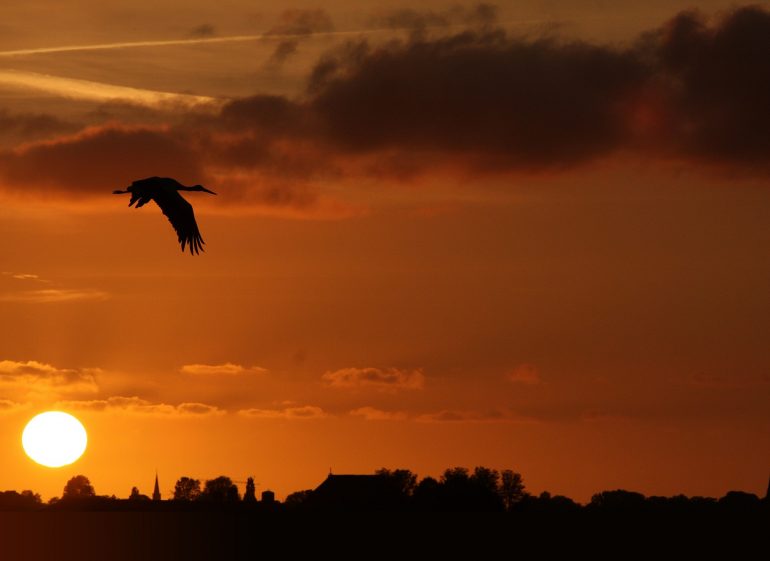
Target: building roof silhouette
x=355, y=491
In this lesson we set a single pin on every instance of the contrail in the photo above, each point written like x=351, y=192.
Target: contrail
x=228, y=39
x=130, y=45
x=98, y=91
x=172, y=42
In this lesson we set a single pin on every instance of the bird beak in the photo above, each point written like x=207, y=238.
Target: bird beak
x=208, y=191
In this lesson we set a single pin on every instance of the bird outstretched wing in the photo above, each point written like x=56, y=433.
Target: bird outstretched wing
x=180, y=213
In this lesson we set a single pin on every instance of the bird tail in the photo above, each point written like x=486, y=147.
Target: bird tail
x=118, y=192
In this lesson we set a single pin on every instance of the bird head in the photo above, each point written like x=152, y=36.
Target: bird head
x=201, y=188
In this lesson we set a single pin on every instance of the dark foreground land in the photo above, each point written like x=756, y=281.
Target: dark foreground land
x=225, y=535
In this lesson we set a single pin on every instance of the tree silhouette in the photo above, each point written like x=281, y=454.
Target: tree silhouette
x=78, y=487
x=464, y=492
x=511, y=488
x=187, y=489
x=298, y=498
x=403, y=480
x=26, y=500
x=485, y=478
x=455, y=476
x=137, y=496
x=220, y=490
x=250, y=495
x=618, y=500
x=427, y=494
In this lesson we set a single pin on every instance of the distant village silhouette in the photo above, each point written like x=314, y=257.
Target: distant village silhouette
x=458, y=489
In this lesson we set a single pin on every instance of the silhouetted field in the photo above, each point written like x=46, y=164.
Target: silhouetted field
x=229, y=534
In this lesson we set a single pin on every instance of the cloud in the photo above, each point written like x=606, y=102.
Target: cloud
x=16, y=128
x=496, y=101
x=283, y=50
x=374, y=414
x=466, y=102
x=369, y=413
x=36, y=379
x=226, y=369
x=7, y=406
x=11, y=293
x=23, y=276
x=306, y=412
x=51, y=295
x=297, y=23
x=138, y=406
x=97, y=157
x=525, y=374
x=714, y=81
x=455, y=416
x=391, y=379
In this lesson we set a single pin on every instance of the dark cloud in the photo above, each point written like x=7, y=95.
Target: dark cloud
x=715, y=81
x=694, y=89
x=17, y=128
x=300, y=23
x=284, y=50
x=508, y=102
x=97, y=159
x=474, y=101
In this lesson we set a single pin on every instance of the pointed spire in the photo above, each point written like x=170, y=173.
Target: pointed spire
x=156, y=491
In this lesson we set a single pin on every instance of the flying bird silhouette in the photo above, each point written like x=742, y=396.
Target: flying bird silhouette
x=165, y=192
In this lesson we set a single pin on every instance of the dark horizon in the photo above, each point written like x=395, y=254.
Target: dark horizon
x=458, y=489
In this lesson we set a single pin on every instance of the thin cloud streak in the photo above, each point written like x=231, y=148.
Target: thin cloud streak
x=302, y=413
x=230, y=39
x=175, y=42
x=98, y=91
x=134, y=405
x=54, y=295
x=129, y=45
x=226, y=369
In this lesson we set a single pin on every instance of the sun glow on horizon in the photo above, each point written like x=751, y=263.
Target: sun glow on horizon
x=54, y=439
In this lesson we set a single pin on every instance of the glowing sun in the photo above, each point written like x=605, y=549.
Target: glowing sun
x=54, y=439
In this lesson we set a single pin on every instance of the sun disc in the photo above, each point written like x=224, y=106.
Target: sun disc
x=54, y=439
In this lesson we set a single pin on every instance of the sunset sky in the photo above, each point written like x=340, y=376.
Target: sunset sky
x=531, y=235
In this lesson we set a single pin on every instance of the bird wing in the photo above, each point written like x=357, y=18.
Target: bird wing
x=180, y=213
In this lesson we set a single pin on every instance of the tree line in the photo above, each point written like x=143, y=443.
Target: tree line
x=457, y=489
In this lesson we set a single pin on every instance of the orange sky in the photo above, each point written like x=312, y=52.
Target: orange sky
x=460, y=245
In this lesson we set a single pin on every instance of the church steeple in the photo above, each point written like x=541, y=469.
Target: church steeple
x=156, y=491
